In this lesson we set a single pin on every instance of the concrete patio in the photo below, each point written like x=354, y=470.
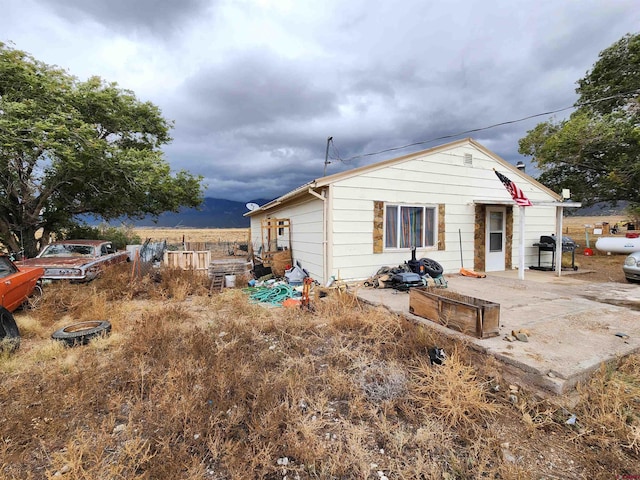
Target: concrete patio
x=573, y=323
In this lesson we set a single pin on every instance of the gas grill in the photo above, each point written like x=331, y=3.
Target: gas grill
x=547, y=243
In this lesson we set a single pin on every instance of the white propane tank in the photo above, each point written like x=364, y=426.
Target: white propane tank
x=618, y=244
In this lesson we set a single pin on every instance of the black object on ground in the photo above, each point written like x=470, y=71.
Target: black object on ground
x=9, y=333
x=424, y=265
x=406, y=280
x=81, y=333
x=260, y=270
x=437, y=356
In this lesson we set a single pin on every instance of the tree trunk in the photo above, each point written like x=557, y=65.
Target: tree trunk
x=29, y=242
x=8, y=239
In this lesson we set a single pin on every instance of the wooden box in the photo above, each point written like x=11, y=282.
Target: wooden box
x=469, y=315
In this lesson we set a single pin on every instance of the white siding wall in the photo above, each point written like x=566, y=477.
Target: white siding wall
x=439, y=178
x=306, y=222
x=256, y=240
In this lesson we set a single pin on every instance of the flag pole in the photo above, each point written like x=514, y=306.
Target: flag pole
x=522, y=201
x=521, y=256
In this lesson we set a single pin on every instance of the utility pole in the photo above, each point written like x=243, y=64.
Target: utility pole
x=326, y=157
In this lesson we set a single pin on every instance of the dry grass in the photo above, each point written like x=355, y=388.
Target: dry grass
x=177, y=235
x=192, y=386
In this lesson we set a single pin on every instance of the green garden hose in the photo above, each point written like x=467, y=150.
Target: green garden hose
x=273, y=295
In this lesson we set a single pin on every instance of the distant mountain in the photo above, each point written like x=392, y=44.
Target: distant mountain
x=598, y=209
x=213, y=213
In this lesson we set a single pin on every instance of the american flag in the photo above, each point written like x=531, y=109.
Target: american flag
x=513, y=189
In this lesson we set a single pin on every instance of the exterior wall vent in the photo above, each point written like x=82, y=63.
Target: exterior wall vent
x=468, y=159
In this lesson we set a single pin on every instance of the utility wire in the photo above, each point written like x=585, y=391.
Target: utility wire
x=509, y=122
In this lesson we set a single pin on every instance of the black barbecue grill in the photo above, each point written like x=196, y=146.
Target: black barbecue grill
x=547, y=243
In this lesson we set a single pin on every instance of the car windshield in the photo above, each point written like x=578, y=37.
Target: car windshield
x=67, y=250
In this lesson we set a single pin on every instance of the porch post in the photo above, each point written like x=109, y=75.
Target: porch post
x=521, y=255
x=559, y=212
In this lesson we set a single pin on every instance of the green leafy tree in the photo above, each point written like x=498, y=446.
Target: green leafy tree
x=71, y=148
x=596, y=152
x=120, y=237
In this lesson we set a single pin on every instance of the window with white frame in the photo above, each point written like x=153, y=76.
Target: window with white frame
x=407, y=226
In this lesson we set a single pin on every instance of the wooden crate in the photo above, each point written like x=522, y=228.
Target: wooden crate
x=187, y=260
x=472, y=316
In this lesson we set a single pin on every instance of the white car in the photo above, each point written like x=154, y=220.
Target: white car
x=631, y=267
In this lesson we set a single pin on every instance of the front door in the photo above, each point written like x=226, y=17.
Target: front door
x=495, y=239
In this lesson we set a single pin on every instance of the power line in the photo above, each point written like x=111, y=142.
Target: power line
x=480, y=129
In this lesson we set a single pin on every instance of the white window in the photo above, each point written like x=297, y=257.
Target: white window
x=407, y=226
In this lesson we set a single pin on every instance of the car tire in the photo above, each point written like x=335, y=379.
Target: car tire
x=433, y=268
x=9, y=333
x=82, y=332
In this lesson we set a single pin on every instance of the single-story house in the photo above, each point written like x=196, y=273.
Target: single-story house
x=446, y=201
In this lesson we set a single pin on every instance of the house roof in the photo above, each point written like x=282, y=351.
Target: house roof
x=329, y=179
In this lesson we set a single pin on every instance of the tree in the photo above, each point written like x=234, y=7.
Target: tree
x=71, y=148
x=596, y=152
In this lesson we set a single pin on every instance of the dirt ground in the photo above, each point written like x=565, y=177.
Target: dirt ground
x=600, y=266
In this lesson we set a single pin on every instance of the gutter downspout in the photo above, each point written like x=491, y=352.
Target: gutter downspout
x=325, y=234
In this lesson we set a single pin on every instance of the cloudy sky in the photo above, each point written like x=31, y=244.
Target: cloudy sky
x=255, y=87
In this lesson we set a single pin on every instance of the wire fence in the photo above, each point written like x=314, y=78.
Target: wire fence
x=147, y=258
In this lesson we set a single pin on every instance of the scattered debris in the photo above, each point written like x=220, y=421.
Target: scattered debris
x=572, y=420
x=506, y=453
x=295, y=275
x=520, y=335
x=119, y=428
x=292, y=303
x=413, y=273
x=622, y=335
x=437, y=356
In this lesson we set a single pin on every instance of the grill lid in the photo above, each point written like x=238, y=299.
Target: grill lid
x=551, y=240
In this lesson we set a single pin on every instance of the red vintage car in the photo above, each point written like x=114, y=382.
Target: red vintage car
x=75, y=260
x=16, y=286
x=17, y=283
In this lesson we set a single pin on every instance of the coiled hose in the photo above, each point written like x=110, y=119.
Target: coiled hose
x=274, y=295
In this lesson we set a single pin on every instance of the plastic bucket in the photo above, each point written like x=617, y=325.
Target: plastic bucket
x=230, y=281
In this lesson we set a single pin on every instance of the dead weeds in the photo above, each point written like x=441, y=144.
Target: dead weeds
x=212, y=387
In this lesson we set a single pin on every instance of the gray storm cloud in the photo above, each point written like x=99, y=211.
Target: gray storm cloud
x=256, y=87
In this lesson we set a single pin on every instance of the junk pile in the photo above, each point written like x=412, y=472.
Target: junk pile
x=413, y=273
x=291, y=290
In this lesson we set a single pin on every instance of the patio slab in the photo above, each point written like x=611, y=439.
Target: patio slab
x=573, y=324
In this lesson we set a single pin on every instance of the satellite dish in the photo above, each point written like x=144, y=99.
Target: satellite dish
x=252, y=206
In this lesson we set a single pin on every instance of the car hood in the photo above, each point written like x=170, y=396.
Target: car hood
x=55, y=262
